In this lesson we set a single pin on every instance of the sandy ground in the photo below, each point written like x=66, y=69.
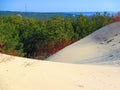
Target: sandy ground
x=101, y=47
x=26, y=74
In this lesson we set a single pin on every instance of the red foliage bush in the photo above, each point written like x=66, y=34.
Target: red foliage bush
x=51, y=48
x=117, y=17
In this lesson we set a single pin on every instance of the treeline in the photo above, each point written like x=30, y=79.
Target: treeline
x=42, y=38
x=36, y=15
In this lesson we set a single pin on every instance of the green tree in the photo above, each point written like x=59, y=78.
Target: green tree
x=9, y=40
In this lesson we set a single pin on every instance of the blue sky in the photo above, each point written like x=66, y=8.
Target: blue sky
x=59, y=5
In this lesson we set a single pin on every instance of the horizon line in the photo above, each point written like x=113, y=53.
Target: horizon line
x=53, y=11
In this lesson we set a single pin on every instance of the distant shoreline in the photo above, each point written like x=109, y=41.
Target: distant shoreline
x=70, y=13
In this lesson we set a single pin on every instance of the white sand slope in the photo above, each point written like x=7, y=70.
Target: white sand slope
x=27, y=74
x=101, y=47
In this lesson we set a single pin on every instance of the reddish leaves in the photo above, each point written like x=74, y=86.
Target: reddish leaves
x=51, y=47
x=117, y=17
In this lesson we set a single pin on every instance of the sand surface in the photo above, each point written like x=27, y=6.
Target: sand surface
x=26, y=74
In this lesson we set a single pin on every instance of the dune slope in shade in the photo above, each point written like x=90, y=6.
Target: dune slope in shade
x=27, y=74
x=101, y=47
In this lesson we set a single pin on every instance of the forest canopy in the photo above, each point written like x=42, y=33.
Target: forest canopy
x=41, y=38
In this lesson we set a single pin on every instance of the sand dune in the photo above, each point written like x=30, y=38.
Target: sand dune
x=27, y=74
x=101, y=47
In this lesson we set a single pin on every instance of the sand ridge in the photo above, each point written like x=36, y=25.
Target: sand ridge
x=101, y=47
